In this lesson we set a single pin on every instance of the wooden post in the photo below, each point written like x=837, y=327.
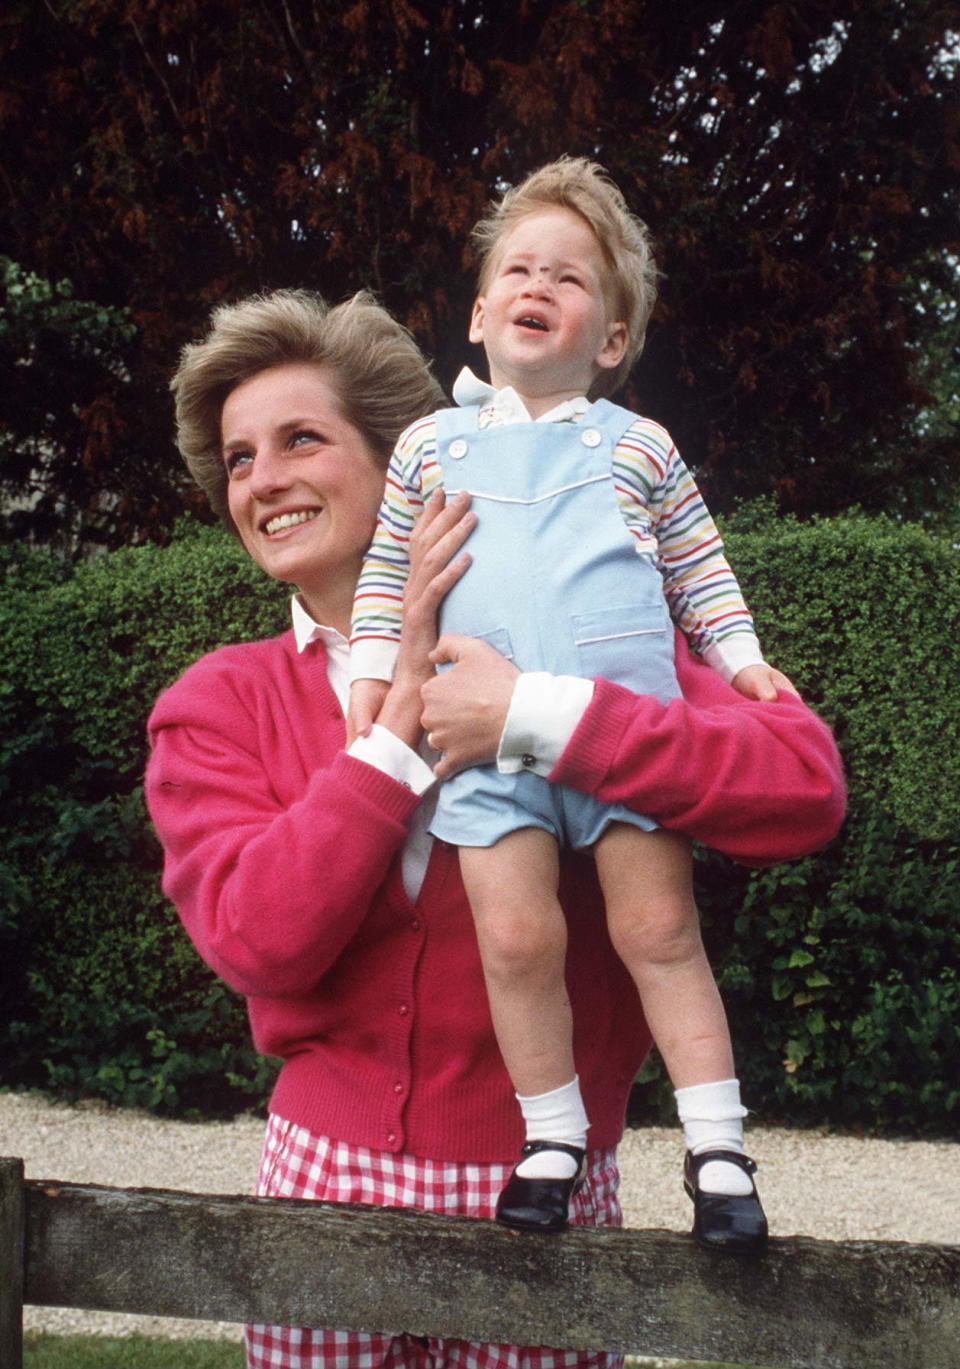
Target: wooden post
x=807, y=1304
x=12, y=1209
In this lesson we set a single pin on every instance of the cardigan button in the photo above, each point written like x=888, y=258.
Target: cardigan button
x=528, y=760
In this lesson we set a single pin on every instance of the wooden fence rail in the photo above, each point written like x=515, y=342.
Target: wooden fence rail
x=805, y=1305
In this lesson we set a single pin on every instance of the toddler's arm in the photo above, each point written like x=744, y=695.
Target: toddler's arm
x=667, y=514
x=366, y=701
x=375, y=630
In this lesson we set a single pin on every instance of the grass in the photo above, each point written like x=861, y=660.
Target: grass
x=43, y=1351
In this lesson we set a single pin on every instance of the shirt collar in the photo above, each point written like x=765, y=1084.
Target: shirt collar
x=506, y=404
x=307, y=630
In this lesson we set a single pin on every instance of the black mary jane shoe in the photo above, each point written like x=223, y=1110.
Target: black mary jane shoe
x=733, y=1223
x=540, y=1204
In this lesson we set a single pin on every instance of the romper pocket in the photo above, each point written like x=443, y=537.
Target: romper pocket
x=497, y=637
x=630, y=645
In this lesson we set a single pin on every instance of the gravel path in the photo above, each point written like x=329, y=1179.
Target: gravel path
x=834, y=1187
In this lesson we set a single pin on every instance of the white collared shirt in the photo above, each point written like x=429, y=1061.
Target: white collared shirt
x=381, y=749
x=506, y=406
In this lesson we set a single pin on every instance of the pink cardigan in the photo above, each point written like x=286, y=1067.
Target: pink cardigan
x=282, y=860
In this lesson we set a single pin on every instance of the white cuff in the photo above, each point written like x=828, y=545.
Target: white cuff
x=543, y=715
x=385, y=751
x=373, y=659
x=729, y=656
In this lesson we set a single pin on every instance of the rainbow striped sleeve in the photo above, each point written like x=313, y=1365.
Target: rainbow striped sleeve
x=666, y=513
x=412, y=476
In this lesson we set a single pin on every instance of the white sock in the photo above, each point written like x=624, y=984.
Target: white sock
x=555, y=1116
x=712, y=1117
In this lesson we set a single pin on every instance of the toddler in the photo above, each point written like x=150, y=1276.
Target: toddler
x=590, y=535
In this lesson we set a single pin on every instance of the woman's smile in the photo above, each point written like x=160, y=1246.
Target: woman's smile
x=281, y=522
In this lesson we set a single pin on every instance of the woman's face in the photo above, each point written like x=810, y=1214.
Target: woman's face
x=303, y=486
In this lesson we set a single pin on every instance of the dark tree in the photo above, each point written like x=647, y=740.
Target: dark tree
x=798, y=165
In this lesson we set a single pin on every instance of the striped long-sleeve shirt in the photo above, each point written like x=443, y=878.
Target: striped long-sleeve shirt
x=660, y=503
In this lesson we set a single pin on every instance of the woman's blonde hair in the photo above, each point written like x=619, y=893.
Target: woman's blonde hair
x=583, y=186
x=379, y=373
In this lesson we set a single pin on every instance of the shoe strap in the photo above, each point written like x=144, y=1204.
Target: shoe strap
x=731, y=1157
x=535, y=1147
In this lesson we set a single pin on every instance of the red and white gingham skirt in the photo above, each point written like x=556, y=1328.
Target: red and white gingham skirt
x=297, y=1164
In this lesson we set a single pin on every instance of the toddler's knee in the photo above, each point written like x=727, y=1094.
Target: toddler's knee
x=661, y=936
x=518, y=945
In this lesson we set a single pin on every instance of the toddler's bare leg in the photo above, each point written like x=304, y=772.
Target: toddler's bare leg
x=647, y=881
x=522, y=935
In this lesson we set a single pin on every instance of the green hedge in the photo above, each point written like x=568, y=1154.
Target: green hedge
x=839, y=971
x=100, y=991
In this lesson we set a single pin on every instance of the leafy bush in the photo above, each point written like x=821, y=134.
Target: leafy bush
x=839, y=971
x=100, y=992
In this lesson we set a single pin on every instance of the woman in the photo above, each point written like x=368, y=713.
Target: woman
x=303, y=872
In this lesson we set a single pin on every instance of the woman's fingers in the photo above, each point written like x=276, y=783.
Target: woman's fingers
x=465, y=708
x=438, y=536
x=436, y=560
x=436, y=564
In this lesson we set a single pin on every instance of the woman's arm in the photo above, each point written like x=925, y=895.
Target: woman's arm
x=762, y=782
x=436, y=562
x=275, y=841
x=274, y=844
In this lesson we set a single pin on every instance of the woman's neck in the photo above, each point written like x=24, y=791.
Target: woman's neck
x=329, y=611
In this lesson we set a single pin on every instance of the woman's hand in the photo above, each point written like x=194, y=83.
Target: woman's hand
x=437, y=562
x=465, y=707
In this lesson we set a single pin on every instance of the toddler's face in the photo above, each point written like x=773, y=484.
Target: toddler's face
x=544, y=318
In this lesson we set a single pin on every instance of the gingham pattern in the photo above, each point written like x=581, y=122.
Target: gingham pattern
x=297, y=1164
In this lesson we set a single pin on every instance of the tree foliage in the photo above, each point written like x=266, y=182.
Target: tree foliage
x=797, y=164
x=52, y=468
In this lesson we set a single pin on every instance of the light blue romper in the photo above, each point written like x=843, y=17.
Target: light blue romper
x=556, y=584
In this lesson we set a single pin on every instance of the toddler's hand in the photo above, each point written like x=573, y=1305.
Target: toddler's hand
x=761, y=682
x=366, y=701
